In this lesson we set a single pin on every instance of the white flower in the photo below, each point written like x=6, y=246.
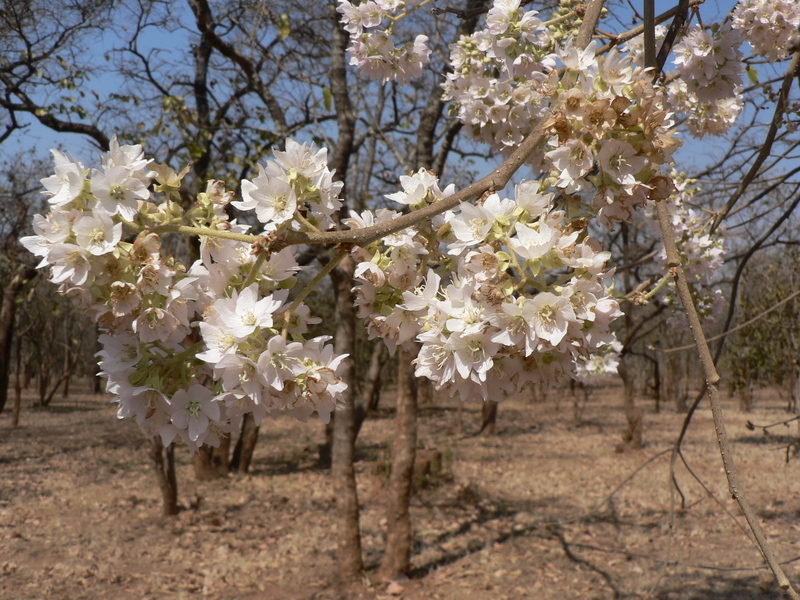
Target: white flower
x=219, y=342
x=124, y=298
x=97, y=233
x=529, y=199
x=272, y=197
x=118, y=191
x=244, y=312
x=533, y=243
x=619, y=161
x=473, y=351
x=67, y=182
x=416, y=188
x=193, y=409
x=573, y=159
x=120, y=352
x=551, y=316
x=280, y=362
x=157, y=324
x=69, y=263
x=473, y=224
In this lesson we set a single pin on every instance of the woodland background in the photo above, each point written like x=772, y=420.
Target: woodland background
x=219, y=85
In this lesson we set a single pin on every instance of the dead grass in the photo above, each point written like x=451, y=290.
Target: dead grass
x=526, y=514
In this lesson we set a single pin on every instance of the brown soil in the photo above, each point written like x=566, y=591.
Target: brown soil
x=544, y=510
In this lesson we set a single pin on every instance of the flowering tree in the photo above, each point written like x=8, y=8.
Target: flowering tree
x=497, y=288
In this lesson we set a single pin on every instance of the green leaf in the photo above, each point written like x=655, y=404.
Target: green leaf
x=327, y=97
x=752, y=75
x=283, y=27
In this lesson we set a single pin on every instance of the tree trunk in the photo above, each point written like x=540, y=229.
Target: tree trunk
x=27, y=375
x=67, y=367
x=371, y=392
x=657, y=385
x=17, y=384
x=746, y=398
x=398, y=535
x=245, y=446
x=794, y=396
x=165, y=474
x=424, y=391
x=325, y=449
x=489, y=418
x=459, y=417
x=44, y=382
x=8, y=311
x=349, y=561
x=632, y=438
x=212, y=463
x=672, y=383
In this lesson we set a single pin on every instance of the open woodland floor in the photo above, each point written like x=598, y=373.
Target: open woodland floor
x=543, y=510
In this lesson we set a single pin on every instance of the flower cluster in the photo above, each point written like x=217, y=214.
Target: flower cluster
x=708, y=89
x=373, y=49
x=768, y=25
x=608, y=129
x=103, y=242
x=503, y=75
x=602, y=367
x=299, y=177
x=517, y=295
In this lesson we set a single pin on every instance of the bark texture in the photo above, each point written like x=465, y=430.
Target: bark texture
x=245, y=446
x=632, y=438
x=350, y=563
x=489, y=418
x=404, y=446
x=165, y=474
x=212, y=463
x=8, y=312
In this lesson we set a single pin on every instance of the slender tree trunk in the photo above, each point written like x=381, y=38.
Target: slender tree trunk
x=8, y=311
x=404, y=447
x=489, y=418
x=746, y=398
x=27, y=375
x=67, y=367
x=17, y=384
x=371, y=392
x=632, y=438
x=245, y=446
x=325, y=449
x=794, y=397
x=212, y=463
x=165, y=474
x=350, y=563
x=657, y=385
x=44, y=382
x=424, y=391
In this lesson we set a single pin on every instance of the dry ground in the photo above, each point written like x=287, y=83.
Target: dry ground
x=530, y=513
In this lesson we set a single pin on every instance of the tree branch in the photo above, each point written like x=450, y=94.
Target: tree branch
x=712, y=381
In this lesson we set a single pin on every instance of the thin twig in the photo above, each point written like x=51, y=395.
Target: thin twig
x=712, y=380
x=766, y=148
x=758, y=317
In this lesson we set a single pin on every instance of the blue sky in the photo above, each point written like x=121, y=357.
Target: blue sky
x=41, y=138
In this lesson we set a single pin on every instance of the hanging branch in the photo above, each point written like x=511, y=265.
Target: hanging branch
x=712, y=381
